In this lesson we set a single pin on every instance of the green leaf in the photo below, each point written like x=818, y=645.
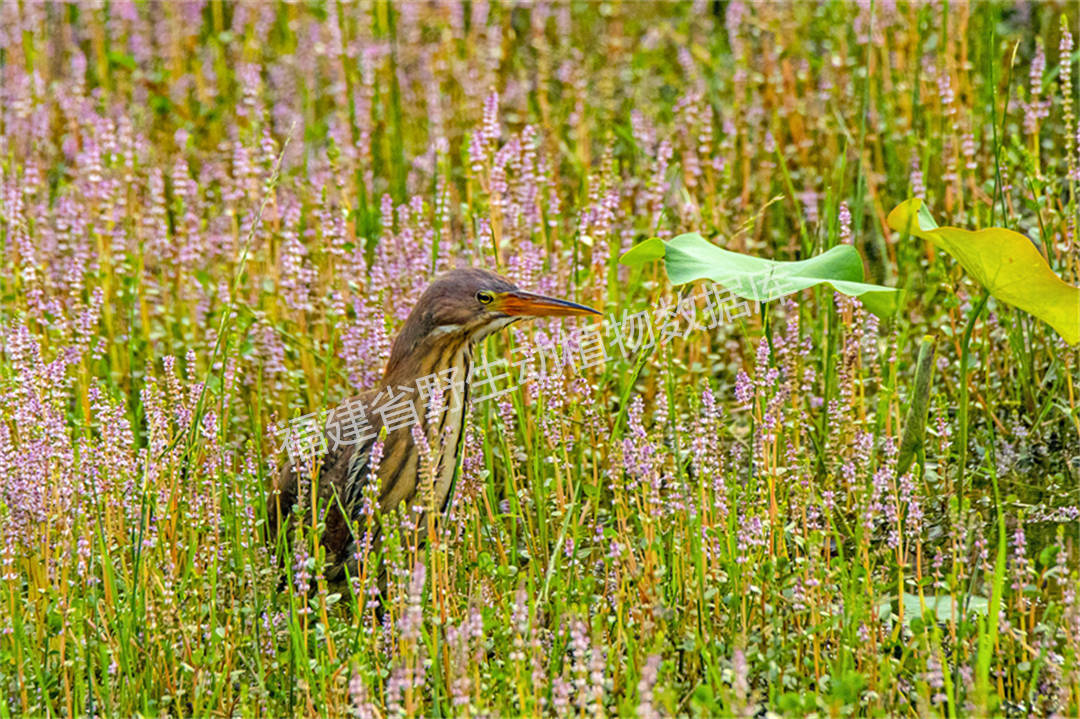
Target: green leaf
x=790, y=703
x=848, y=686
x=690, y=257
x=1004, y=262
x=940, y=605
x=1048, y=555
x=915, y=421
x=122, y=59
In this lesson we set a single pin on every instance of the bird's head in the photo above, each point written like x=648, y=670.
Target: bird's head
x=470, y=304
x=478, y=303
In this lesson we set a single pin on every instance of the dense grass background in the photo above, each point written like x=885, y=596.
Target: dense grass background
x=214, y=216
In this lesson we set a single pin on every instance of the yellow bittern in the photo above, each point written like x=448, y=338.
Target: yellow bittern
x=458, y=310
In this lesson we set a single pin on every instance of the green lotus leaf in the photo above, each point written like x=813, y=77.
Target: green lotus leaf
x=943, y=607
x=691, y=257
x=1004, y=262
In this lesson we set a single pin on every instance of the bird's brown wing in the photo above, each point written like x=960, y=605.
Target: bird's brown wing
x=340, y=475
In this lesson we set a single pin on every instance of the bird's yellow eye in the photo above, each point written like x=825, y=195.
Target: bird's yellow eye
x=484, y=297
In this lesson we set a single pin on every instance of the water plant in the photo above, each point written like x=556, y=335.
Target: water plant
x=214, y=215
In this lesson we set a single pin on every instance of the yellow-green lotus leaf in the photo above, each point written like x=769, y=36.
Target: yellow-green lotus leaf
x=1004, y=262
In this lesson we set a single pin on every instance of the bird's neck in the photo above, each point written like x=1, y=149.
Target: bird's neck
x=426, y=357
x=437, y=373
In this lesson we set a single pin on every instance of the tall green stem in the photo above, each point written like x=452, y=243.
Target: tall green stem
x=965, y=344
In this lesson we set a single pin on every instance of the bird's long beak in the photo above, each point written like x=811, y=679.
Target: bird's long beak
x=527, y=304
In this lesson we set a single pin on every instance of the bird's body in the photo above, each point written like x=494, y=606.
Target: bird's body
x=430, y=367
